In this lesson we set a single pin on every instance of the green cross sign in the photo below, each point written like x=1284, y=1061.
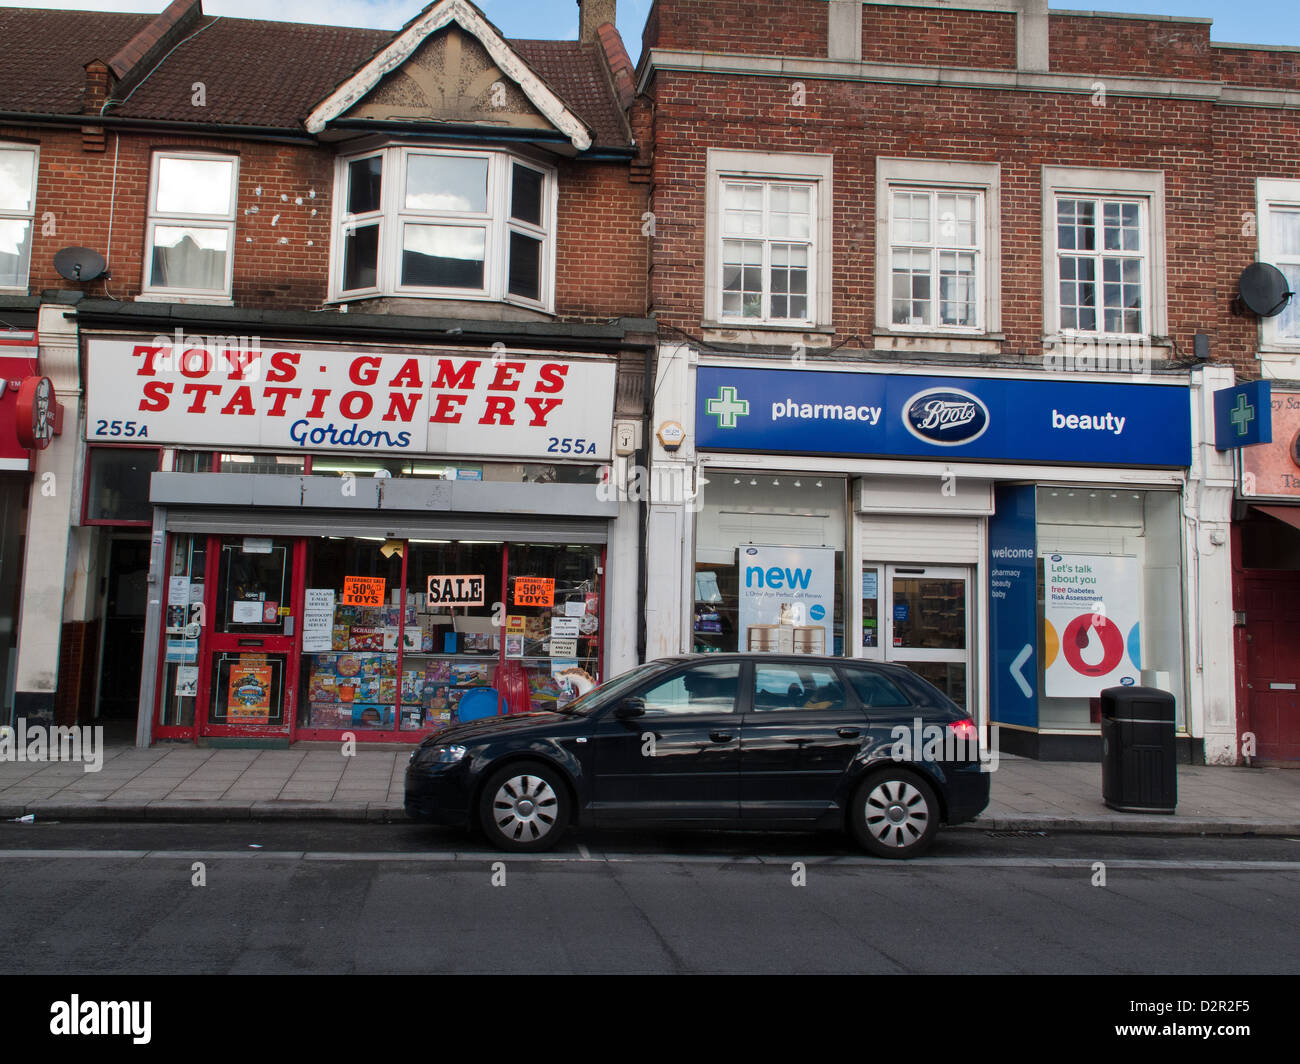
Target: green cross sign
x=1241, y=416
x=727, y=407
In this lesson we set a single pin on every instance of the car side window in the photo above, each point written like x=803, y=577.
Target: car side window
x=876, y=691
x=787, y=687
x=702, y=689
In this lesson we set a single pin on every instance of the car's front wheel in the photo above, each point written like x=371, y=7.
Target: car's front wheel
x=895, y=814
x=524, y=807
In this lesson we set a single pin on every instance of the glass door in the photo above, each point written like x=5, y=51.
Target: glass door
x=919, y=616
x=249, y=688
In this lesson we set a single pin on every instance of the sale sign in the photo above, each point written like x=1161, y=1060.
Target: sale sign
x=534, y=591
x=222, y=395
x=456, y=590
x=363, y=591
x=1091, y=637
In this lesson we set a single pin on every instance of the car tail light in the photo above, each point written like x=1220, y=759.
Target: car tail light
x=965, y=730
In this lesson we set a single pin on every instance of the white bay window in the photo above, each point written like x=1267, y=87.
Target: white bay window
x=448, y=224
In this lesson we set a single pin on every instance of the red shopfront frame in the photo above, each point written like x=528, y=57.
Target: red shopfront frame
x=211, y=642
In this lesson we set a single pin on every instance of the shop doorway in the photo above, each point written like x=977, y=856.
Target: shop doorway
x=122, y=639
x=1273, y=663
x=919, y=616
x=247, y=679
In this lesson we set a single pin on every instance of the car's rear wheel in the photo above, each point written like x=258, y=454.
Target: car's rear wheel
x=524, y=807
x=895, y=814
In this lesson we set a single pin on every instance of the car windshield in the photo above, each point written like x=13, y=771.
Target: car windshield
x=584, y=704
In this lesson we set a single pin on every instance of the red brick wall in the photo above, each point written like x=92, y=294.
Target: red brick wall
x=281, y=247
x=928, y=36
x=1249, y=66
x=1249, y=144
x=856, y=122
x=1129, y=47
x=741, y=27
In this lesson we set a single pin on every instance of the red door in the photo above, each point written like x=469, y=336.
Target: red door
x=248, y=683
x=1273, y=663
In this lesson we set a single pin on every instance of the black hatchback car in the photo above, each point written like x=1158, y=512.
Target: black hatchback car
x=716, y=741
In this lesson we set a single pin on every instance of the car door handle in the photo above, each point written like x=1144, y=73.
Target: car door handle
x=847, y=733
x=720, y=737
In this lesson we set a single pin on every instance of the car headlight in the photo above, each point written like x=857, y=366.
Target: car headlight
x=441, y=755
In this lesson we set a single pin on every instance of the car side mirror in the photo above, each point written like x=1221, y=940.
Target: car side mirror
x=630, y=707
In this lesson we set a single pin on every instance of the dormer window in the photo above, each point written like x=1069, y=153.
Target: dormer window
x=441, y=224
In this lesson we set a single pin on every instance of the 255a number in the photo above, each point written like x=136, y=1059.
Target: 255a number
x=132, y=429
x=569, y=445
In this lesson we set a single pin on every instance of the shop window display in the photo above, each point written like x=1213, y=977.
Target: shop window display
x=351, y=629
x=1110, y=600
x=553, y=620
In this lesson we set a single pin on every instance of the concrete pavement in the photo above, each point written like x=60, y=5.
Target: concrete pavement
x=314, y=781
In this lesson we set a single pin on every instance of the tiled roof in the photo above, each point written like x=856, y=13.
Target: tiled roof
x=45, y=54
x=268, y=74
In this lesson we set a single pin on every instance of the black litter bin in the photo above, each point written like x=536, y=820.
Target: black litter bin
x=1138, y=760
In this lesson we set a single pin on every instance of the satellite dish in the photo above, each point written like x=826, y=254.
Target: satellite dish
x=79, y=264
x=1264, y=290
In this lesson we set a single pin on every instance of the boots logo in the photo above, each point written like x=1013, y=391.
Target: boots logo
x=945, y=416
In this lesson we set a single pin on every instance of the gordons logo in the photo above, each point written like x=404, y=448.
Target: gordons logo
x=947, y=417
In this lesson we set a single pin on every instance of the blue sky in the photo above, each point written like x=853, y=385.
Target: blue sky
x=1242, y=21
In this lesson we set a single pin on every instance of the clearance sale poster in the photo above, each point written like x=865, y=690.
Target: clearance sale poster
x=1091, y=637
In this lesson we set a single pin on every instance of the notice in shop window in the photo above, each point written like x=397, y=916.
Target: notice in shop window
x=318, y=619
x=363, y=591
x=566, y=627
x=187, y=681
x=564, y=647
x=575, y=607
x=535, y=591
x=458, y=590
x=246, y=612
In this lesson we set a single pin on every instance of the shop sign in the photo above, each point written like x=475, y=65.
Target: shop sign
x=456, y=590
x=787, y=599
x=1240, y=416
x=1013, y=606
x=947, y=418
x=1272, y=470
x=363, y=591
x=17, y=363
x=342, y=399
x=40, y=417
x=1091, y=636
x=534, y=591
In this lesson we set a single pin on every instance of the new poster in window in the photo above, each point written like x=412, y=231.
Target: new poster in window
x=787, y=599
x=1091, y=634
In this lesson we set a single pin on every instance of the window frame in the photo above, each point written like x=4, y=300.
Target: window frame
x=30, y=215
x=104, y=522
x=1272, y=193
x=768, y=169
x=393, y=216
x=937, y=177
x=154, y=217
x=1144, y=186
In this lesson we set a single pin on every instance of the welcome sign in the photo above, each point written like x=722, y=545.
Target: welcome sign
x=290, y=399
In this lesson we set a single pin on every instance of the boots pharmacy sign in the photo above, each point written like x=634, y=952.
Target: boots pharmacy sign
x=906, y=415
x=289, y=398
x=787, y=599
x=1091, y=638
